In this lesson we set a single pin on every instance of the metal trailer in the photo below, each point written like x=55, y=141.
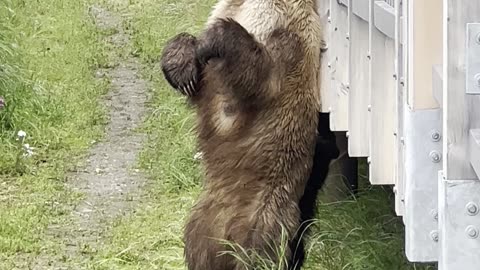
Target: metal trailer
x=402, y=78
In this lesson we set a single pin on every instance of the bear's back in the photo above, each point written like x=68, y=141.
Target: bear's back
x=278, y=137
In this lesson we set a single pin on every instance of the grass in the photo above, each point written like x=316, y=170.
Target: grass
x=359, y=233
x=48, y=53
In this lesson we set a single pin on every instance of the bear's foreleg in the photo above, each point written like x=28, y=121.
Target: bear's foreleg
x=238, y=60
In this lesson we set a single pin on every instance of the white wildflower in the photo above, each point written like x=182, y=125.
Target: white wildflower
x=28, y=150
x=21, y=135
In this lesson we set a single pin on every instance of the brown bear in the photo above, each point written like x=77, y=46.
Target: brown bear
x=256, y=140
x=256, y=94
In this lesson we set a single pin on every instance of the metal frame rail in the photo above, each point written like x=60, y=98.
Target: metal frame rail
x=402, y=79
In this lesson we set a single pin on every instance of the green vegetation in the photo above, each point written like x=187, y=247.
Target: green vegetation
x=48, y=53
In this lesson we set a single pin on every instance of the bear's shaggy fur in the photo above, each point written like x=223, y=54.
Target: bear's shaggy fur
x=254, y=83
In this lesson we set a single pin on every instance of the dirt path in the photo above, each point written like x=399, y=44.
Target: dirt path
x=111, y=186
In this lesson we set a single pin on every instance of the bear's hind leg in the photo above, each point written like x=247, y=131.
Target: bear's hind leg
x=326, y=150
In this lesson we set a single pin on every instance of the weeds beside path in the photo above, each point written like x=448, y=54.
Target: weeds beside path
x=48, y=53
x=110, y=183
x=107, y=185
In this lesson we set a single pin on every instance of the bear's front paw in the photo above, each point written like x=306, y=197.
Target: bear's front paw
x=180, y=65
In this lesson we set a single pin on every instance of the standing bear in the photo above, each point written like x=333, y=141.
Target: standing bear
x=252, y=76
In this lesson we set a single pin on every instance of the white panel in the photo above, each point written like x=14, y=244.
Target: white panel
x=437, y=78
x=424, y=35
x=459, y=220
x=400, y=71
x=459, y=192
x=425, y=51
x=423, y=153
x=461, y=111
x=358, y=123
x=475, y=150
x=383, y=99
x=384, y=15
x=339, y=62
x=326, y=94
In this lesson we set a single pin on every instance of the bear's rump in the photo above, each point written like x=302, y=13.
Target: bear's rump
x=244, y=222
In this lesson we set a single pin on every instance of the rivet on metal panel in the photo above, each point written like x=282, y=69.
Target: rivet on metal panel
x=434, y=214
x=477, y=79
x=435, y=135
x=369, y=160
x=472, y=209
x=369, y=56
x=395, y=76
x=472, y=63
x=434, y=235
x=347, y=134
x=402, y=140
x=369, y=108
x=472, y=232
x=329, y=19
x=435, y=156
x=329, y=65
x=347, y=36
x=395, y=190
